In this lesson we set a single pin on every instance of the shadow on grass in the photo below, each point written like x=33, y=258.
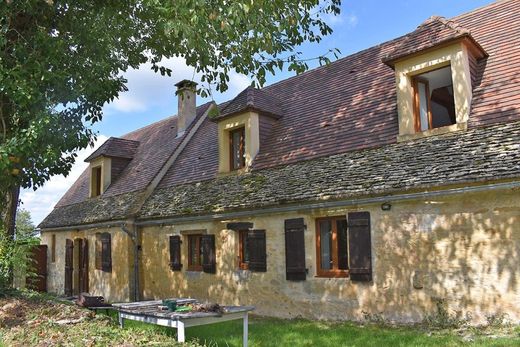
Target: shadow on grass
x=267, y=332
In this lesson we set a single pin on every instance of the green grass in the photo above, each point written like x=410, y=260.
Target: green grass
x=38, y=326
x=266, y=332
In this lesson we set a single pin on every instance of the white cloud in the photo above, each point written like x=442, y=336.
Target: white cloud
x=41, y=202
x=349, y=20
x=147, y=89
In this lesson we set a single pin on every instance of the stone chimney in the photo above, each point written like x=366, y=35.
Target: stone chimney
x=186, y=92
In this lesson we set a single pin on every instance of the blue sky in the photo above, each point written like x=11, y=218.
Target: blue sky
x=151, y=97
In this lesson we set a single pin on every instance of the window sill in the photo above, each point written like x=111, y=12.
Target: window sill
x=433, y=132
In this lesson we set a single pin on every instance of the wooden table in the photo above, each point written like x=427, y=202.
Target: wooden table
x=149, y=312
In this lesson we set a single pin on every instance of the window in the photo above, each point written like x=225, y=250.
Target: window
x=237, y=149
x=243, y=252
x=53, y=248
x=332, y=246
x=194, y=253
x=104, y=252
x=96, y=181
x=433, y=99
x=175, y=253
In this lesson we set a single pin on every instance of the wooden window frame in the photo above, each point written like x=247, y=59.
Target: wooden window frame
x=242, y=264
x=99, y=255
x=242, y=149
x=197, y=238
x=96, y=176
x=416, y=111
x=334, y=272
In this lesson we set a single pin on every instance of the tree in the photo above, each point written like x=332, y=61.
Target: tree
x=61, y=61
x=24, y=229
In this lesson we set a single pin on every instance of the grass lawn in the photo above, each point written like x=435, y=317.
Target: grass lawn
x=266, y=332
x=28, y=319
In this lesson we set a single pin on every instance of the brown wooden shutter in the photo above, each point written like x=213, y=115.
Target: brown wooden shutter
x=207, y=244
x=98, y=252
x=360, y=248
x=106, y=252
x=83, y=265
x=257, y=250
x=295, y=269
x=175, y=253
x=69, y=249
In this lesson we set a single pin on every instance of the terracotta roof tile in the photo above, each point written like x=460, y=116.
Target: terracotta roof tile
x=251, y=98
x=115, y=147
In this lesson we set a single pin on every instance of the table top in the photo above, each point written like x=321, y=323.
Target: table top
x=151, y=308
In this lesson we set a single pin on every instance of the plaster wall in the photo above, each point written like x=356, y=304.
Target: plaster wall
x=462, y=250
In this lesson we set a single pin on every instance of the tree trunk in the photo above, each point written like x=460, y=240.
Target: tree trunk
x=8, y=214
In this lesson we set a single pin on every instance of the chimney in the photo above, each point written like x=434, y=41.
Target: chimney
x=186, y=92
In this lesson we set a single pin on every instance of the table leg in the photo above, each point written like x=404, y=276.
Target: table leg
x=246, y=323
x=121, y=324
x=181, y=337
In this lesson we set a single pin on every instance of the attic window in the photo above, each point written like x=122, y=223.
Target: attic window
x=434, y=104
x=237, y=148
x=96, y=181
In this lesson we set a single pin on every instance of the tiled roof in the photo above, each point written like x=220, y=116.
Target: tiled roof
x=115, y=147
x=340, y=110
x=477, y=155
x=253, y=99
x=157, y=142
x=433, y=32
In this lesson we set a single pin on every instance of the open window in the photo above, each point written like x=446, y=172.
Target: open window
x=201, y=253
x=103, y=253
x=237, y=146
x=243, y=252
x=434, y=103
x=194, y=253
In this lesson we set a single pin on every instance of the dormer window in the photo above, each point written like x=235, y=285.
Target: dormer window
x=108, y=162
x=242, y=124
x=433, y=98
x=96, y=181
x=237, y=144
x=435, y=67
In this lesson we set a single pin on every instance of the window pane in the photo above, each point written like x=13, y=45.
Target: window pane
x=326, y=244
x=237, y=148
x=245, y=250
x=341, y=229
x=423, y=105
x=194, y=252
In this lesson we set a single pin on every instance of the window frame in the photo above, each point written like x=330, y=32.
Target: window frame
x=242, y=148
x=242, y=235
x=99, y=256
x=334, y=272
x=53, y=248
x=197, y=238
x=96, y=174
x=417, y=104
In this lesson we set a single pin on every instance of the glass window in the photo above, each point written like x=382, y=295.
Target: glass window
x=237, y=148
x=434, y=101
x=332, y=244
x=243, y=250
x=194, y=253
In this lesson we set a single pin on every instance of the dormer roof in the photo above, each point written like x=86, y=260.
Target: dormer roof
x=434, y=32
x=116, y=148
x=253, y=99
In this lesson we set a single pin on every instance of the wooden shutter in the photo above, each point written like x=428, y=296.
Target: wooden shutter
x=175, y=253
x=97, y=253
x=69, y=256
x=360, y=248
x=257, y=250
x=106, y=252
x=207, y=244
x=295, y=269
x=83, y=266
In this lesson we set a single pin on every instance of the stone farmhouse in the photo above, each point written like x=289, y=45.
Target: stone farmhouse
x=387, y=183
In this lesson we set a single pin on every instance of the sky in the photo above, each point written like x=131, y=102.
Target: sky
x=151, y=97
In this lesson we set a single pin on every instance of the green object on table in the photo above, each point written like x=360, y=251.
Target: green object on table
x=183, y=309
x=171, y=304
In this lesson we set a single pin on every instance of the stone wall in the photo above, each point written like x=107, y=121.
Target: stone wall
x=114, y=286
x=463, y=250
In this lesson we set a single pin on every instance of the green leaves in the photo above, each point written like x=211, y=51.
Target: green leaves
x=62, y=61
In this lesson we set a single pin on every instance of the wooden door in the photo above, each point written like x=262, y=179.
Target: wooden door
x=38, y=258
x=83, y=266
x=69, y=256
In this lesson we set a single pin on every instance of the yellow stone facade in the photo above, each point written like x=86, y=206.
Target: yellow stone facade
x=462, y=249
